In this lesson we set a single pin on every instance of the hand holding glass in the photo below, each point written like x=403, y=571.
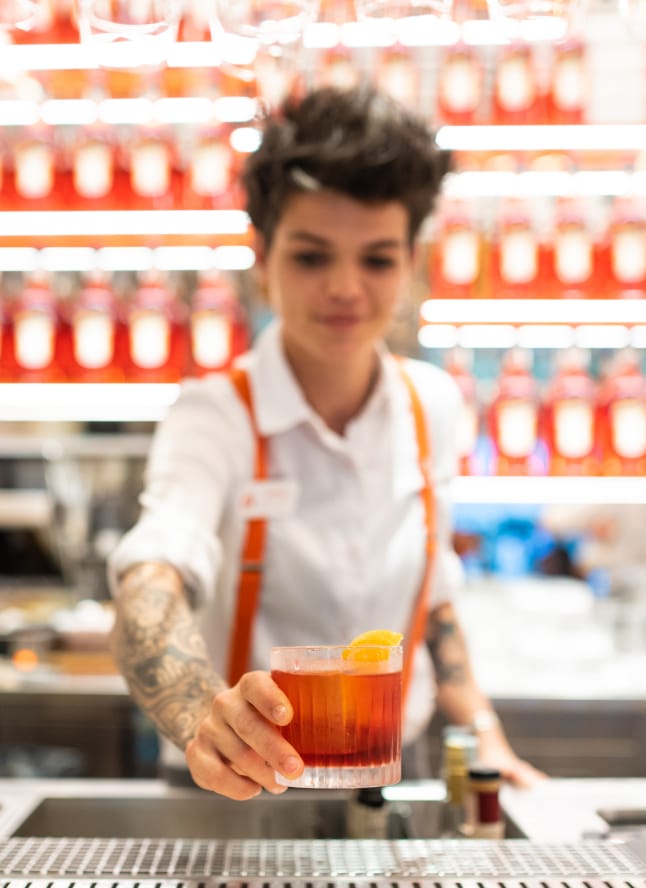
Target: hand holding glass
x=347, y=713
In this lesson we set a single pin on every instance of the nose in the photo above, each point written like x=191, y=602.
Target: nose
x=344, y=280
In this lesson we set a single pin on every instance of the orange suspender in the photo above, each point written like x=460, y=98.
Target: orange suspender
x=253, y=552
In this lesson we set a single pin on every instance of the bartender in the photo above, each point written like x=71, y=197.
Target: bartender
x=304, y=497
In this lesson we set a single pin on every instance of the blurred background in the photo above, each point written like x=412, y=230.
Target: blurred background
x=126, y=265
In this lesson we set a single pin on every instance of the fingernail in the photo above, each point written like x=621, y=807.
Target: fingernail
x=291, y=765
x=280, y=713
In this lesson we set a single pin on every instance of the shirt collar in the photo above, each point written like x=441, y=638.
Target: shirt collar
x=278, y=398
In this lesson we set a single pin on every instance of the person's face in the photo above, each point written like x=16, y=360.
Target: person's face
x=335, y=271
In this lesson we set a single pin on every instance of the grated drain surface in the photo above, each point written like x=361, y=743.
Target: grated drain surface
x=248, y=863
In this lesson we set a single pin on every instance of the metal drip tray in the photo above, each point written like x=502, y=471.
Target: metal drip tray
x=517, y=863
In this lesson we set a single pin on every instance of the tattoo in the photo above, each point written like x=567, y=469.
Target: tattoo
x=447, y=648
x=162, y=653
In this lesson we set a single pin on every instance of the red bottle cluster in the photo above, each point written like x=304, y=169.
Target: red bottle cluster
x=517, y=260
x=149, y=335
x=574, y=424
x=45, y=169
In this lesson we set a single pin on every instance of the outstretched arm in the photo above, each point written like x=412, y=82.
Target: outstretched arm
x=229, y=735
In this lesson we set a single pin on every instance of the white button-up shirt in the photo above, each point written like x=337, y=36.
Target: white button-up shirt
x=349, y=555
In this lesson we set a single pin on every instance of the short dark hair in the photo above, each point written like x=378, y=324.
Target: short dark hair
x=358, y=142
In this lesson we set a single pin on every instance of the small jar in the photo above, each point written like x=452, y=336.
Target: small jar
x=484, y=819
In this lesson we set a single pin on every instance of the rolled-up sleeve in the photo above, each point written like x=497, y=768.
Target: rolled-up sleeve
x=196, y=453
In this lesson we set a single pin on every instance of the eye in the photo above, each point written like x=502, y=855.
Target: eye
x=310, y=258
x=379, y=262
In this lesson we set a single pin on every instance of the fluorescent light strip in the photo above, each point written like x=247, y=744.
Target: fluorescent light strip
x=234, y=109
x=16, y=112
x=124, y=258
x=638, y=336
x=50, y=402
x=437, y=336
x=548, y=489
x=183, y=110
x=599, y=137
x=530, y=311
x=122, y=222
x=233, y=258
x=133, y=111
x=183, y=258
x=607, y=336
x=80, y=112
x=545, y=336
x=491, y=336
x=19, y=259
x=67, y=258
x=584, y=183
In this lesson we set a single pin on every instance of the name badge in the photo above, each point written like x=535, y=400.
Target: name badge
x=268, y=499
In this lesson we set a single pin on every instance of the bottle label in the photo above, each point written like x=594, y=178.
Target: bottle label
x=340, y=73
x=93, y=170
x=515, y=87
x=518, y=256
x=573, y=256
x=210, y=339
x=628, y=255
x=34, y=172
x=34, y=338
x=460, y=85
x=93, y=339
x=460, y=256
x=211, y=169
x=149, y=339
x=516, y=428
x=150, y=169
x=569, y=83
x=628, y=428
x=398, y=79
x=573, y=428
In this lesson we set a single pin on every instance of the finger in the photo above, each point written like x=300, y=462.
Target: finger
x=210, y=771
x=263, y=693
x=256, y=746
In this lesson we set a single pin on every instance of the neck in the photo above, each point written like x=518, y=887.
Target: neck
x=337, y=392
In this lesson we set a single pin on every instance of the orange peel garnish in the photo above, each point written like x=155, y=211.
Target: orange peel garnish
x=369, y=646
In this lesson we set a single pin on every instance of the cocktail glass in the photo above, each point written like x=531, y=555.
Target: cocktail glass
x=347, y=713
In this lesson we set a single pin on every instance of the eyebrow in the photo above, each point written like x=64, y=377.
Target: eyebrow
x=386, y=243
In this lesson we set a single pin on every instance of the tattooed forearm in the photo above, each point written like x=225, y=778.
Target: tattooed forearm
x=161, y=652
x=447, y=648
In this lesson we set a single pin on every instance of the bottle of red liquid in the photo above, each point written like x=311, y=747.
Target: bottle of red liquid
x=622, y=416
x=210, y=179
x=513, y=418
x=457, y=254
x=460, y=86
x=623, y=255
x=5, y=344
x=519, y=262
x=218, y=328
x=568, y=84
x=93, y=170
x=458, y=363
x=569, y=417
x=516, y=98
x=95, y=339
x=154, y=177
x=572, y=256
x=277, y=77
x=35, y=167
x=157, y=341
x=398, y=76
x=36, y=332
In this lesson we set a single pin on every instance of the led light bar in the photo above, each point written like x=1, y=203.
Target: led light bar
x=86, y=402
x=176, y=258
x=548, y=489
x=122, y=222
x=534, y=311
x=583, y=183
x=599, y=137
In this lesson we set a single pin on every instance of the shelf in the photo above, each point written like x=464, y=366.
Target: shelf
x=169, y=258
x=97, y=223
x=62, y=446
x=583, y=183
x=582, y=137
x=86, y=402
x=534, y=311
x=534, y=335
x=549, y=490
